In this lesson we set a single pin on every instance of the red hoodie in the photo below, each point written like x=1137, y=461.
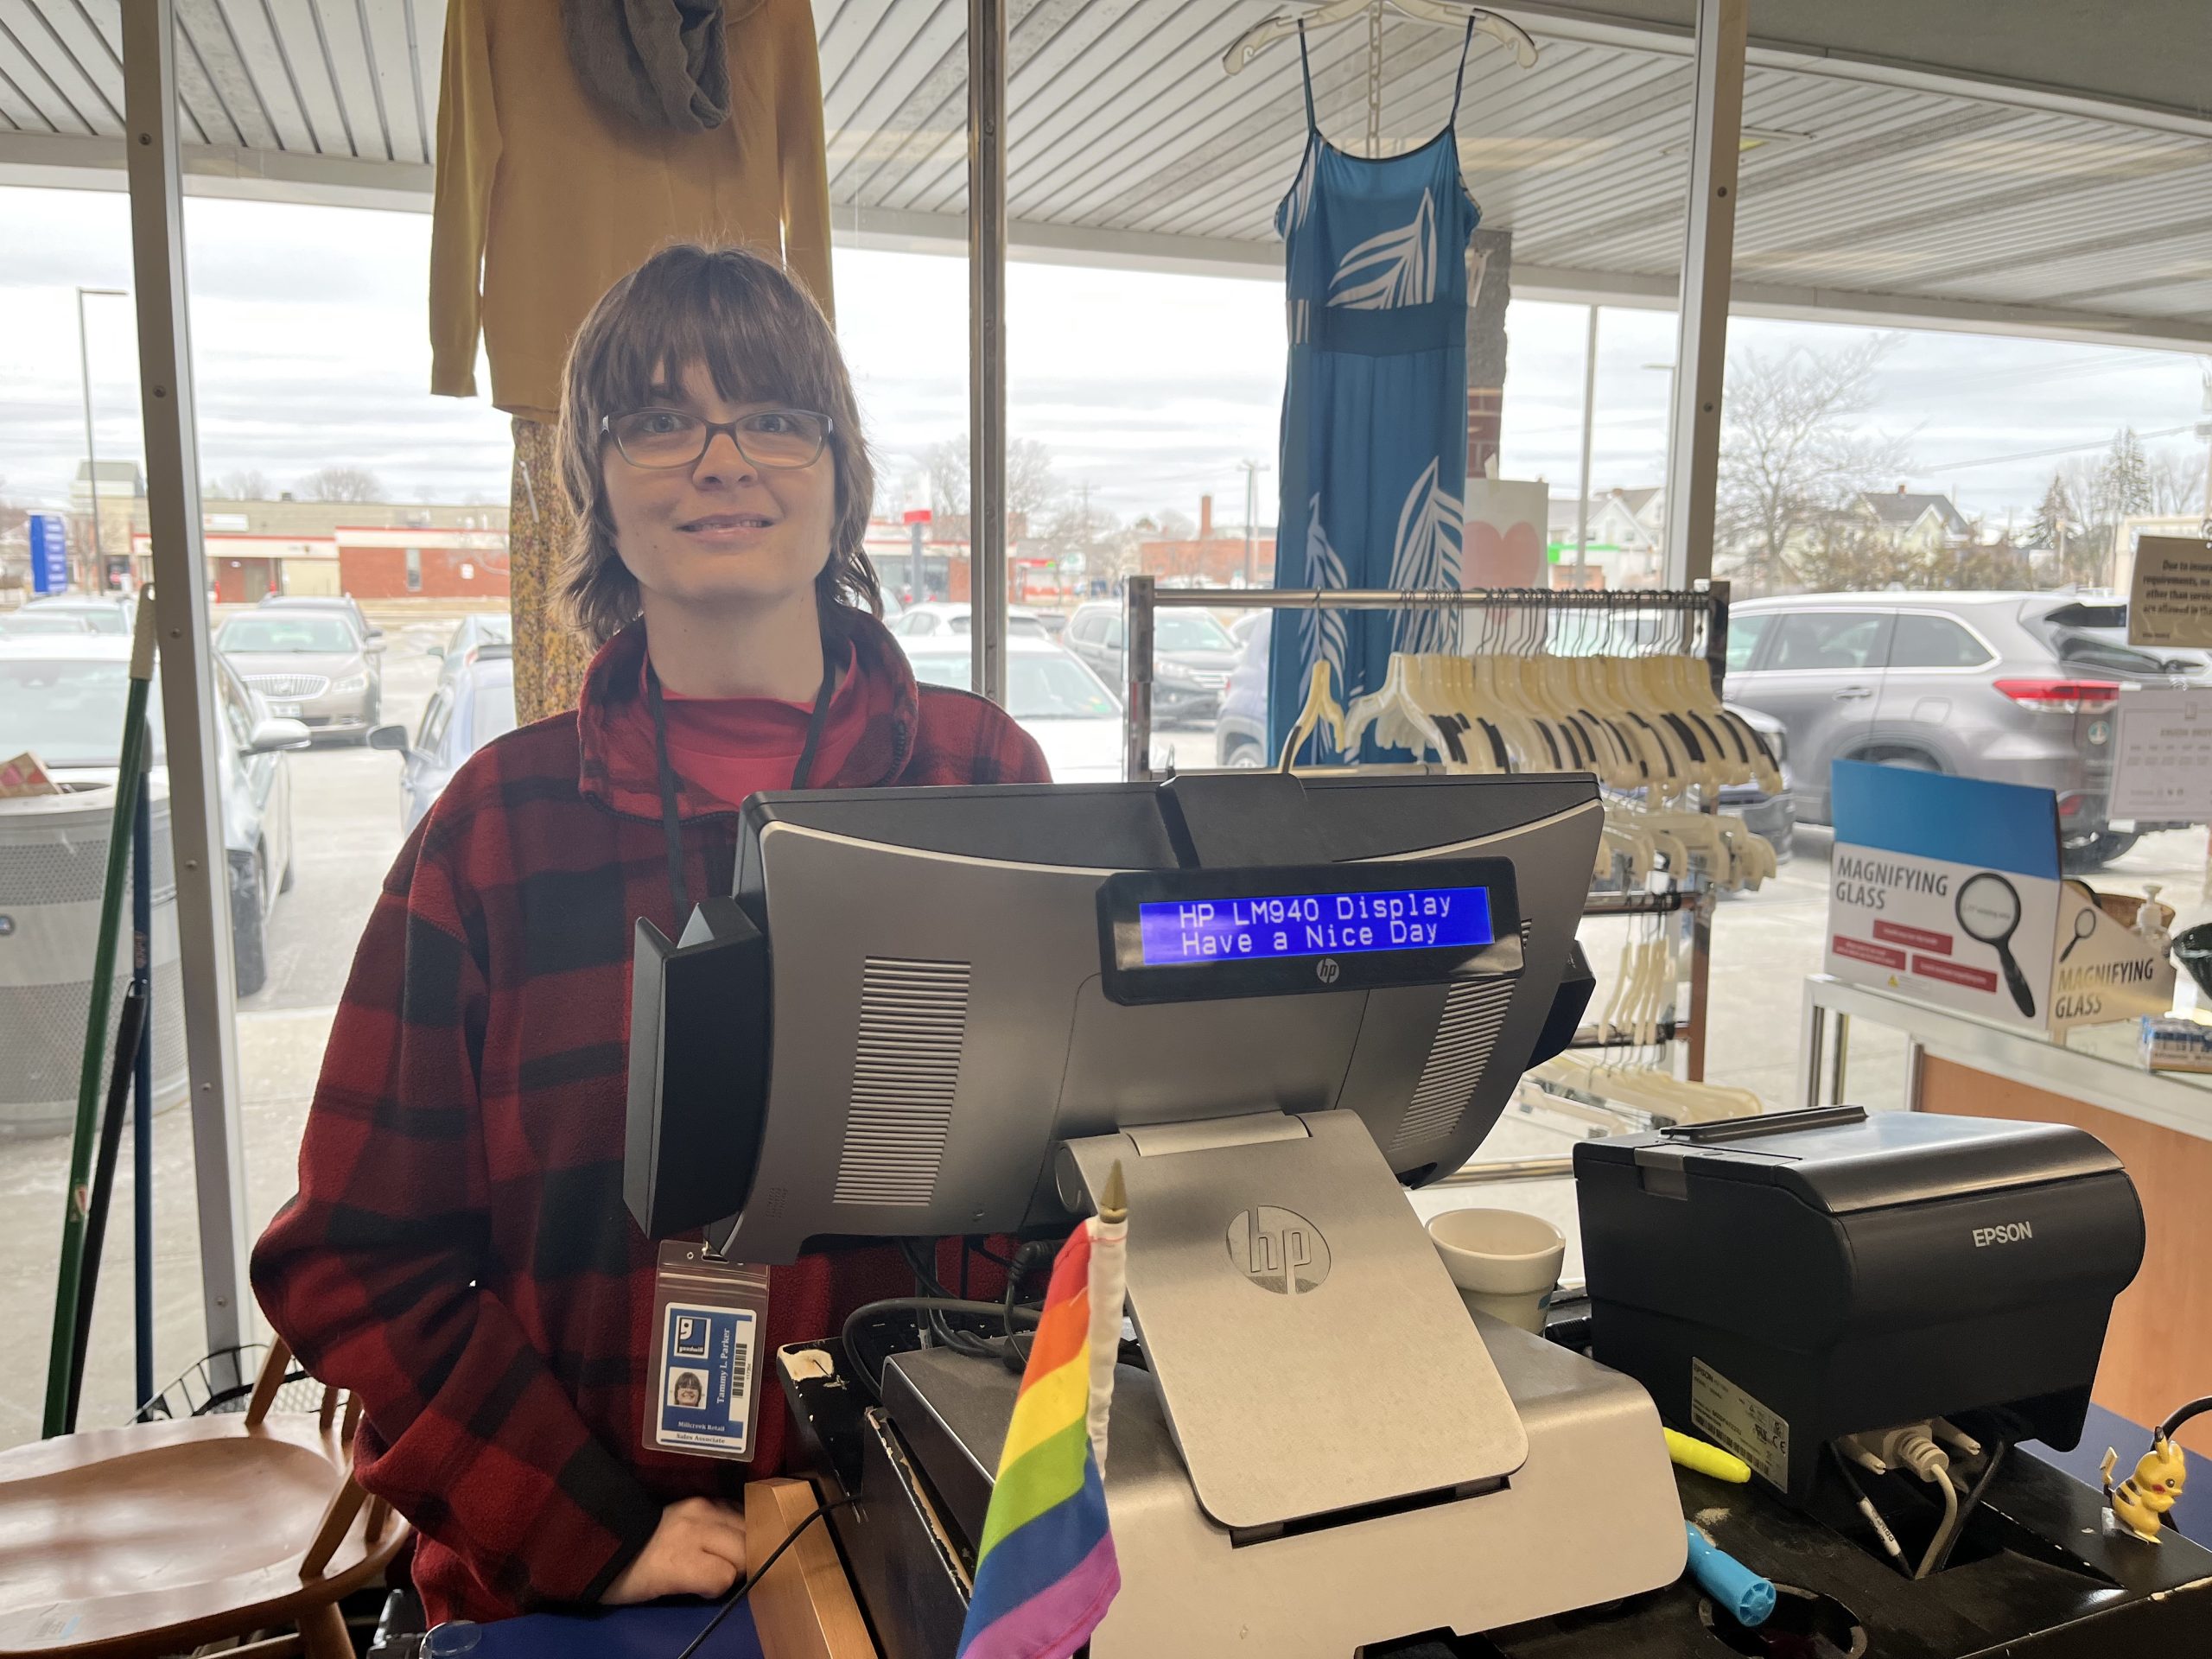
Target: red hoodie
x=458, y=1254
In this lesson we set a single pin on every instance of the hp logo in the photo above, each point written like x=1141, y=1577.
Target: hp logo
x=1278, y=1249
x=1326, y=971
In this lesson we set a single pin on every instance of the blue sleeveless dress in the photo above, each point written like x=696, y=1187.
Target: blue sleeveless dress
x=1374, y=464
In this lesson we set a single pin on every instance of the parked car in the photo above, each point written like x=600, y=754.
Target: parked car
x=315, y=666
x=1051, y=694
x=938, y=618
x=1241, y=740
x=473, y=705
x=477, y=629
x=28, y=624
x=63, y=700
x=1191, y=657
x=2013, y=687
x=103, y=613
x=344, y=603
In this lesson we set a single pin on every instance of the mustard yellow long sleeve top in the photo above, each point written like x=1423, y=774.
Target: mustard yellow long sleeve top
x=544, y=199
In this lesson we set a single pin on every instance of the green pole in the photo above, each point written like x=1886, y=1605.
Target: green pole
x=77, y=1202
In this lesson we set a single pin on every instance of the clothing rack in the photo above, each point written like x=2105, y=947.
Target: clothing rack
x=1697, y=618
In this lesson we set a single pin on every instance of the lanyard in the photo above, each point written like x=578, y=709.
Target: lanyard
x=671, y=826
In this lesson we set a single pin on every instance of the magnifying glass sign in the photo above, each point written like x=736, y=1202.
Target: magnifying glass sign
x=1988, y=909
x=2084, y=924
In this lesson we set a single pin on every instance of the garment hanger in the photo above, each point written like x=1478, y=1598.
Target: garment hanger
x=1320, y=713
x=1444, y=13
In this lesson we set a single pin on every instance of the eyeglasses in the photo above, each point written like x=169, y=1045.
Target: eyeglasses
x=673, y=437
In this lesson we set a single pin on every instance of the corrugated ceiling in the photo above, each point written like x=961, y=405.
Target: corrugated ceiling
x=1860, y=196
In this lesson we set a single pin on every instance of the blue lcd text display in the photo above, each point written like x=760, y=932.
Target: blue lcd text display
x=1190, y=931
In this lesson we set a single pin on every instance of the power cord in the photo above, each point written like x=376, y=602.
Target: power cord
x=1943, y=1555
x=758, y=1573
x=922, y=1305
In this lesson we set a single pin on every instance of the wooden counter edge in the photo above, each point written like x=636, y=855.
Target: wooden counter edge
x=804, y=1608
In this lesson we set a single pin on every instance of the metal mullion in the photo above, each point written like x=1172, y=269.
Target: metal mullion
x=987, y=566
x=187, y=668
x=1709, y=247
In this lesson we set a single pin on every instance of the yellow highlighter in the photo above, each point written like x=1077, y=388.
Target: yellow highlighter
x=1707, y=1459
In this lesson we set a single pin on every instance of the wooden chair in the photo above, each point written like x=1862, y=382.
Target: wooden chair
x=133, y=1542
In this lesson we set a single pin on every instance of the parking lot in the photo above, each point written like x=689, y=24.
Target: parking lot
x=346, y=829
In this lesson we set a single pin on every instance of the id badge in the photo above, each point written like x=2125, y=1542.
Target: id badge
x=708, y=1318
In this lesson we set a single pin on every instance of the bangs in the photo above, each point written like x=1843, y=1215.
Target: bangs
x=758, y=342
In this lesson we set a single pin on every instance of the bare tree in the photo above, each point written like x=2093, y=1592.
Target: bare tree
x=244, y=484
x=341, y=484
x=1033, y=489
x=2177, y=479
x=1792, y=450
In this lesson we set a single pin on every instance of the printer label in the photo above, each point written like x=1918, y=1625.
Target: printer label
x=1736, y=1422
x=2009, y=1232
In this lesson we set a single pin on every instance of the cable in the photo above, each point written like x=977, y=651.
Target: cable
x=754, y=1577
x=874, y=1310
x=1967, y=1506
x=1866, y=1508
x=2181, y=1414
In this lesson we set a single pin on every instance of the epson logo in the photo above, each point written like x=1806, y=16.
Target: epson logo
x=2011, y=1232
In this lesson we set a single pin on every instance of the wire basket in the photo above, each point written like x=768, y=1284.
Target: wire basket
x=197, y=1394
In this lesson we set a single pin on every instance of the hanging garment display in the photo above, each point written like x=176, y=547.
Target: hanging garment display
x=549, y=190
x=1375, y=414
x=545, y=196
x=551, y=657
x=661, y=63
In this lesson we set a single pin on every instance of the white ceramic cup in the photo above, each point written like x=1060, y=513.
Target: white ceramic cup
x=1505, y=1263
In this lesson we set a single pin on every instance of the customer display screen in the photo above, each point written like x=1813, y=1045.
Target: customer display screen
x=1177, y=936
x=1265, y=925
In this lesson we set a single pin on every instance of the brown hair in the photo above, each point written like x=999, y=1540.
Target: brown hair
x=762, y=340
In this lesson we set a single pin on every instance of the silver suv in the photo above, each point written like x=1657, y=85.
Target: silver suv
x=2015, y=688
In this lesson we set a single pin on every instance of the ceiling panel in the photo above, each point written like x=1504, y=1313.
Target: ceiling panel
x=1123, y=126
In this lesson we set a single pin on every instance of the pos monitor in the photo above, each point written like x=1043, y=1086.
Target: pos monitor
x=915, y=996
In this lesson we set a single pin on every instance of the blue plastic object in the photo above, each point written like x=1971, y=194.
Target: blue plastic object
x=1748, y=1597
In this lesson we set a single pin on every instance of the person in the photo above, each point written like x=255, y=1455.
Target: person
x=458, y=1254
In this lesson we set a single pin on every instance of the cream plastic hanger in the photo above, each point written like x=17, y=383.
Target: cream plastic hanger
x=1320, y=712
x=1398, y=720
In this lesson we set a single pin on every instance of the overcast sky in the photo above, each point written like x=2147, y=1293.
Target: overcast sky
x=310, y=349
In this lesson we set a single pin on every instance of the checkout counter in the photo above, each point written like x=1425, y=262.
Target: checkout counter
x=1278, y=1003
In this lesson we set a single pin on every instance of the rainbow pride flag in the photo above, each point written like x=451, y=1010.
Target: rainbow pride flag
x=1045, y=1572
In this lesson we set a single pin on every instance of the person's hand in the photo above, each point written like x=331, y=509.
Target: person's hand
x=698, y=1549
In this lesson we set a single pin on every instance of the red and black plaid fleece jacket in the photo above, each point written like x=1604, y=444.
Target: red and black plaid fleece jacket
x=458, y=1254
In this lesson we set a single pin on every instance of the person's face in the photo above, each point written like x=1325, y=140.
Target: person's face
x=722, y=531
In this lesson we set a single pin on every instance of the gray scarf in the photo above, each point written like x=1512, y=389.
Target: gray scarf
x=658, y=63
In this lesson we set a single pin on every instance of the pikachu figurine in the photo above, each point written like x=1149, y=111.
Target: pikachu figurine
x=2145, y=1495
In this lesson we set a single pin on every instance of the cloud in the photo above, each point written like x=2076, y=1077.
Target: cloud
x=308, y=328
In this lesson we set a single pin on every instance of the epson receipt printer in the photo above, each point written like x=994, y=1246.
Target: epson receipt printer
x=1783, y=1281
x=1276, y=1002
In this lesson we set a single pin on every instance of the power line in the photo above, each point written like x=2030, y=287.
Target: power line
x=2044, y=455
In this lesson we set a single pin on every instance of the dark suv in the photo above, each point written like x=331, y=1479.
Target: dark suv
x=1192, y=657
x=2015, y=688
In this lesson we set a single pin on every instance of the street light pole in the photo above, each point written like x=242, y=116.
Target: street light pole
x=91, y=457
x=1589, y=419
x=1252, y=471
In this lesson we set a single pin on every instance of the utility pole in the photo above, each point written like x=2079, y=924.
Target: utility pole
x=1252, y=471
x=96, y=572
